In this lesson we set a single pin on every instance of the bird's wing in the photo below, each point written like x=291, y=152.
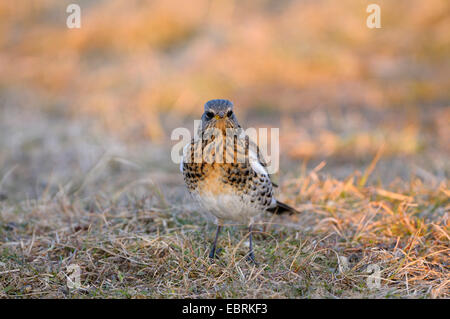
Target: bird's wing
x=257, y=160
x=256, y=164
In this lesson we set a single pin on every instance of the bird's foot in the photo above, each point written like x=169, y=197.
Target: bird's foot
x=214, y=253
x=251, y=258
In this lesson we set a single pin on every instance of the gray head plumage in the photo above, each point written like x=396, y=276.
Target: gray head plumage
x=219, y=109
x=218, y=105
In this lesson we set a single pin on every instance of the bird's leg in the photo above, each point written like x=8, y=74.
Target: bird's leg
x=251, y=255
x=213, y=248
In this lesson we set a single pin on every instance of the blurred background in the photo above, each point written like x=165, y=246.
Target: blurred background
x=103, y=99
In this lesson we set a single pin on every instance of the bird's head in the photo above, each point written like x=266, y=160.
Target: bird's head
x=219, y=114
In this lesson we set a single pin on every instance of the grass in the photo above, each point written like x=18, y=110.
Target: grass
x=291, y=55
x=142, y=250
x=128, y=225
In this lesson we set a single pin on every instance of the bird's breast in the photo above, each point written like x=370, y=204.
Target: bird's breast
x=213, y=181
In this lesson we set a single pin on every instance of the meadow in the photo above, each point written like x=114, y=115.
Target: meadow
x=87, y=184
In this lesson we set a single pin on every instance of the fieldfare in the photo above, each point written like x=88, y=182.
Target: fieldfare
x=225, y=172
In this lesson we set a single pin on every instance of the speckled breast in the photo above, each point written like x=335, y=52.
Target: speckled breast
x=232, y=191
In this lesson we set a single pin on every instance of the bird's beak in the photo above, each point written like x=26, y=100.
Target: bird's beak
x=220, y=115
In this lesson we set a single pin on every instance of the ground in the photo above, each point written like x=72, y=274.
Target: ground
x=120, y=212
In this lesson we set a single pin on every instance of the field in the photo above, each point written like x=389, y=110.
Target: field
x=91, y=205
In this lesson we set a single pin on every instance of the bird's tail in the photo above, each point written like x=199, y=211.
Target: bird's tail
x=282, y=208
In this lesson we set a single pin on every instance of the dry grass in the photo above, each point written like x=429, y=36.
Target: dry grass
x=134, y=62
x=123, y=217
x=148, y=247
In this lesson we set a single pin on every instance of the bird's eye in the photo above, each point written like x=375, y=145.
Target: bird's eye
x=209, y=114
x=229, y=113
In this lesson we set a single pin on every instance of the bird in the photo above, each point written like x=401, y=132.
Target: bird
x=225, y=172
